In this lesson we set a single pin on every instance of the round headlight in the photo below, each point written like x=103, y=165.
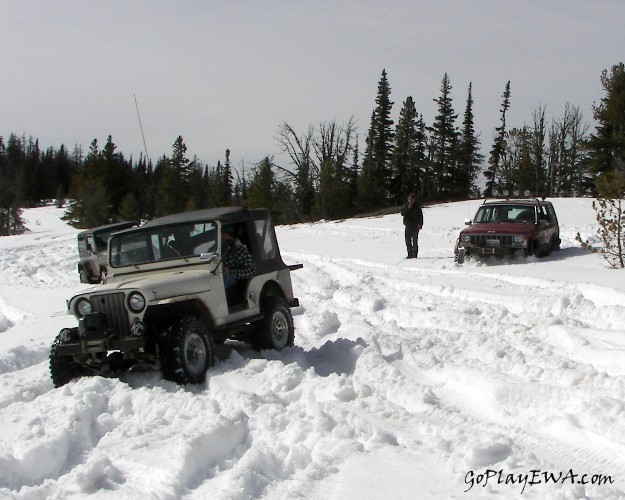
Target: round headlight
x=136, y=302
x=83, y=307
x=466, y=238
x=518, y=238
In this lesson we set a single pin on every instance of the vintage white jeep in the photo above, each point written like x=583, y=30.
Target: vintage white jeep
x=164, y=303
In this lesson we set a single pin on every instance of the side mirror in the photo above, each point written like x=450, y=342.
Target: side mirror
x=467, y=222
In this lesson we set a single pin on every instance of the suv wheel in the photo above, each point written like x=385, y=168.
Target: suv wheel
x=83, y=276
x=63, y=368
x=186, y=351
x=276, y=329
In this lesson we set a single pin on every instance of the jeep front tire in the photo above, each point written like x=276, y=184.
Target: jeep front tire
x=186, y=351
x=63, y=368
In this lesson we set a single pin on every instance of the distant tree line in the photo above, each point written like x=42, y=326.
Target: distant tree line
x=326, y=175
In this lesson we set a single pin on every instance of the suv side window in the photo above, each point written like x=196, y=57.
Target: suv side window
x=551, y=213
x=267, y=239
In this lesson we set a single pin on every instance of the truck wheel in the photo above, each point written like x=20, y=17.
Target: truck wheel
x=186, y=351
x=63, y=368
x=276, y=329
x=83, y=276
x=460, y=256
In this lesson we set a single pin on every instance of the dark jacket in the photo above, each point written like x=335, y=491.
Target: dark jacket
x=413, y=216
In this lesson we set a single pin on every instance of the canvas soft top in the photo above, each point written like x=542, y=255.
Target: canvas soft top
x=106, y=228
x=222, y=214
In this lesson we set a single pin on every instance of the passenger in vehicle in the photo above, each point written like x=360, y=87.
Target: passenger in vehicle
x=238, y=263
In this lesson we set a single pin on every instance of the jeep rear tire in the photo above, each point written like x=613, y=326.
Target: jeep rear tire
x=276, y=329
x=63, y=368
x=186, y=351
x=82, y=274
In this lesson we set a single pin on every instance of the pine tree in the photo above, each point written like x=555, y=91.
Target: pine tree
x=117, y=177
x=129, y=208
x=470, y=158
x=538, y=153
x=607, y=149
x=374, y=188
x=90, y=203
x=352, y=178
x=493, y=183
x=370, y=192
x=405, y=162
x=172, y=187
x=520, y=178
x=445, y=137
x=227, y=180
x=607, y=144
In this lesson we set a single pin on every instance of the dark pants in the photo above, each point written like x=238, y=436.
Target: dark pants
x=412, y=241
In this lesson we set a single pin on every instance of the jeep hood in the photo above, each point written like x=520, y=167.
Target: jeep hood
x=499, y=228
x=160, y=285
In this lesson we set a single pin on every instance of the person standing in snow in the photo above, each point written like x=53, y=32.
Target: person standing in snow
x=413, y=220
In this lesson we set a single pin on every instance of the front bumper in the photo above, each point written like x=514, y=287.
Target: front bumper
x=93, y=335
x=492, y=244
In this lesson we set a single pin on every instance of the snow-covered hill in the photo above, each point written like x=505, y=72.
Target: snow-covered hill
x=409, y=378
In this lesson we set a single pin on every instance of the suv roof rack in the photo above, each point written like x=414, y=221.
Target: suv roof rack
x=514, y=199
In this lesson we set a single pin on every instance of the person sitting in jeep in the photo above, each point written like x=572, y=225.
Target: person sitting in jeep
x=237, y=261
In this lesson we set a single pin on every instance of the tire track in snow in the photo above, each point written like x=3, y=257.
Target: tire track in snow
x=458, y=334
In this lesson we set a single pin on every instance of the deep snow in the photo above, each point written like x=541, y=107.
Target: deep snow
x=409, y=378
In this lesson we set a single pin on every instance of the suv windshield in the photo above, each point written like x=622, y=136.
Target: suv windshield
x=505, y=213
x=161, y=243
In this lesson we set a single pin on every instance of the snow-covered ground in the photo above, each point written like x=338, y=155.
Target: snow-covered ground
x=410, y=379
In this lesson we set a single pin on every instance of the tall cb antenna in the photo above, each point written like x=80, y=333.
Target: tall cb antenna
x=147, y=157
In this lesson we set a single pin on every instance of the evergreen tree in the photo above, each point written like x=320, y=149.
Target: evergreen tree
x=370, y=192
x=172, y=180
x=516, y=169
x=90, y=202
x=538, y=153
x=493, y=183
x=470, y=158
x=227, y=180
x=352, y=178
x=607, y=144
x=405, y=162
x=607, y=152
x=375, y=185
x=117, y=177
x=445, y=137
x=129, y=208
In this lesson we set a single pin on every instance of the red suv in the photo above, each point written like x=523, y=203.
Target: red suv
x=510, y=227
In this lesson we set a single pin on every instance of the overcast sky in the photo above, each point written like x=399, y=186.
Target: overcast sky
x=227, y=74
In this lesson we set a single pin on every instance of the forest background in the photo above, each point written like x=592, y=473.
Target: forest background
x=327, y=175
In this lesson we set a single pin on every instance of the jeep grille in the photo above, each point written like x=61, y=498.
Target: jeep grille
x=480, y=240
x=114, y=309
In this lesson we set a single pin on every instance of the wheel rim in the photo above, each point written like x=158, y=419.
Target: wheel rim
x=279, y=329
x=195, y=354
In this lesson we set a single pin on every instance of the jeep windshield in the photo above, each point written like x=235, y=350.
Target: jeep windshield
x=162, y=243
x=506, y=213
